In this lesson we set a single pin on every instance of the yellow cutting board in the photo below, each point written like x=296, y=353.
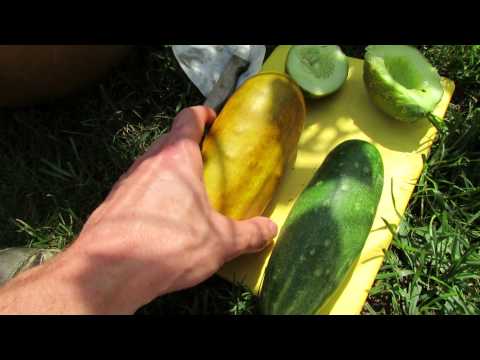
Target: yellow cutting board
x=348, y=114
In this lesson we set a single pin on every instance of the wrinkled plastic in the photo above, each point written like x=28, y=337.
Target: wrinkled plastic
x=204, y=64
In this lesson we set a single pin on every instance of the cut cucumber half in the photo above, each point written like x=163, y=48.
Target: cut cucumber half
x=319, y=70
x=401, y=82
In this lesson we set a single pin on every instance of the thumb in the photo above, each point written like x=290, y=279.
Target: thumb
x=252, y=235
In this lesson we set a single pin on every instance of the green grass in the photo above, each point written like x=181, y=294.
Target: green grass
x=59, y=161
x=433, y=266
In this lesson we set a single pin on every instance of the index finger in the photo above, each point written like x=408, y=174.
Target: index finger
x=190, y=123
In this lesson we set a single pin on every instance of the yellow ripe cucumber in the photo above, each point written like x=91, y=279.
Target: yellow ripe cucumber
x=251, y=143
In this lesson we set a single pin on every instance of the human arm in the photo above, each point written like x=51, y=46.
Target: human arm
x=154, y=234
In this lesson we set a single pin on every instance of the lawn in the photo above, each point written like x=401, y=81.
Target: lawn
x=59, y=161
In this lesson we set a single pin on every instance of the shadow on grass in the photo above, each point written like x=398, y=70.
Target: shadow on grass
x=214, y=296
x=66, y=155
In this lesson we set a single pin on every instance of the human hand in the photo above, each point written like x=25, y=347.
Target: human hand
x=156, y=232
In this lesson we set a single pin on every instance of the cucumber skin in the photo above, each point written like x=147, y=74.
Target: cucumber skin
x=325, y=231
x=389, y=101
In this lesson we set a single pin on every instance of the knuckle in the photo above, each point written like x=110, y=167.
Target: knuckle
x=180, y=115
x=255, y=243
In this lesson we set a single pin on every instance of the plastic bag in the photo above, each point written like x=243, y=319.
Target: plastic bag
x=204, y=64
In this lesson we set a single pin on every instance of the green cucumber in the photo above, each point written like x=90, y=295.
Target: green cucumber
x=325, y=231
x=319, y=70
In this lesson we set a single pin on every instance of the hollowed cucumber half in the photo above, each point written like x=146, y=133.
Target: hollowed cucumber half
x=319, y=70
x=402, y=83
